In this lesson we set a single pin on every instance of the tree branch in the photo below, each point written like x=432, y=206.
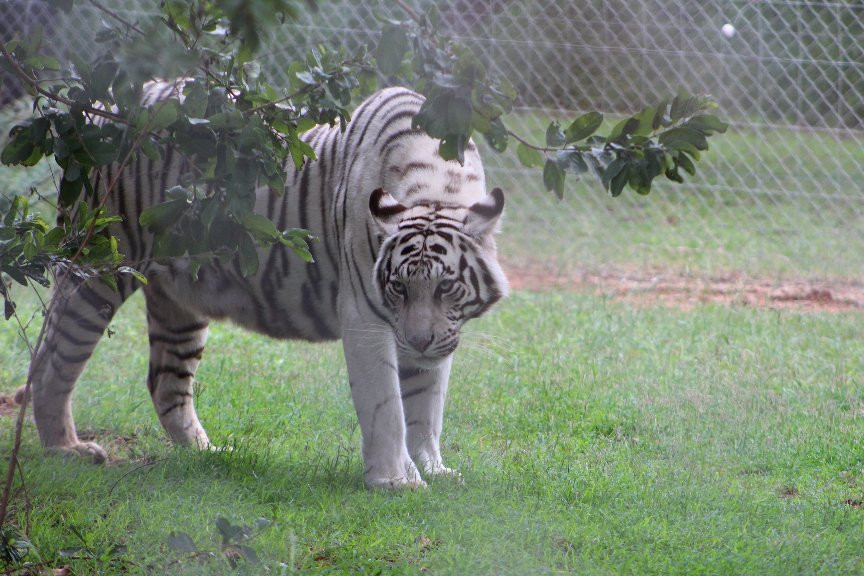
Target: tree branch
x=34, y=84
x=410, y=11
x=117, y=17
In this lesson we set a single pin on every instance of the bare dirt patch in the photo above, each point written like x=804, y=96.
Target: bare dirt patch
x=681, y=290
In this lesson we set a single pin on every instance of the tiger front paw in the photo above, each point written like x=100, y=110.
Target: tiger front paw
x=90, y=450
x=441, y=470
x=434, y=466
x=407, y=478
x=397, y=483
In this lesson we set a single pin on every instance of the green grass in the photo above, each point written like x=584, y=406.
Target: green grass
x=593, y=437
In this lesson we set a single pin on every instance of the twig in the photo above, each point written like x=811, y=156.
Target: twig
x=19, y=423
x=542, y=148
x=117, y=17
x=27, y=504
x=408, y=10
x=29, y=566
x=34, y=83
x=137, y=468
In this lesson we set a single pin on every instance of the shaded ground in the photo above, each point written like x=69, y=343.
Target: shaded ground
x=685, y=291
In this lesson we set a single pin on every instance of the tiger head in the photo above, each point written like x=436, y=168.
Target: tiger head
x=436, y=268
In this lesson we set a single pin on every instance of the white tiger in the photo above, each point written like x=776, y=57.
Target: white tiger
x=407, y=244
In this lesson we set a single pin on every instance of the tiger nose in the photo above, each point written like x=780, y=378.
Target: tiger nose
x=420, y=342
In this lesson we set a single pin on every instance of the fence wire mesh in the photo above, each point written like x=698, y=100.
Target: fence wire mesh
x=781, y=195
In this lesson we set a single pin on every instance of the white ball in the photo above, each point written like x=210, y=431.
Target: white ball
x=728, y=30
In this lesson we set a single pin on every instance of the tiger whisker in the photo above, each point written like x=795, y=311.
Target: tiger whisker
x=498, y=341
x=475, y=351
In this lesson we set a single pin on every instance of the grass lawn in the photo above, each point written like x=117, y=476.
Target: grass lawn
x=593, y=438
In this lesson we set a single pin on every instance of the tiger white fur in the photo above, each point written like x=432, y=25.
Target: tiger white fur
x=406, y=245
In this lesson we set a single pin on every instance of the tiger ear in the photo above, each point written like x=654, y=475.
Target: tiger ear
x=483, y=216
x=385, y=209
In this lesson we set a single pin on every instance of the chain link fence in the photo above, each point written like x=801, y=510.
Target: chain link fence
x=780, y=196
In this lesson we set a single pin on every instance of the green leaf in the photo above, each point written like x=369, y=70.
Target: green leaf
x=529, y=157
x=646, y=121
x=298, y=240
x=248, y=255
x=211, y=210
x=572, y=161
x=707, y=123
x=195, y=102
x=8, y=308
x=260, y=226
x=39, y=130
x=178, y=11
x=432, y=116
x=554, y=136
x=228, y=120
x=612, y=170
x=672, y=174
x=149, y=148
x=11, y=215
x=616, y=185
x=684, y=106
x=623, y=129
x=496, y=136
x=391, y=49
x=163, y=115
x=306, y=77
x=43, y=62
x=102, y=78
x=19, y=149
x=683, y=161
x=638, y=178
x=72, y=172
x=98, y=152
x=135, y=273
x=583, y=127
x=459, y=117
x=69, y=191
x=553, y=178
x=162, y=216
x=300, y=150
x=16, y=274
x=453, y=147
x=684, y=138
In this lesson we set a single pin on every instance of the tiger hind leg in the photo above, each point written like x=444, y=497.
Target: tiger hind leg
x=79, y=314
x=177, y=337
